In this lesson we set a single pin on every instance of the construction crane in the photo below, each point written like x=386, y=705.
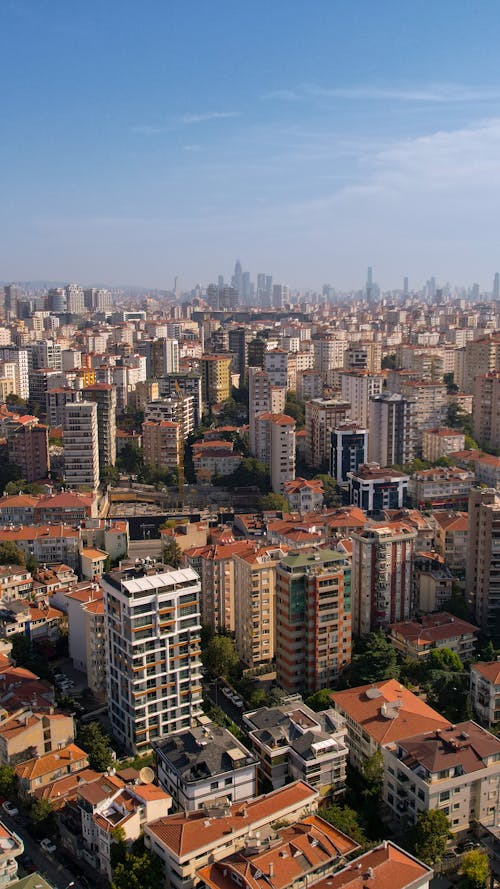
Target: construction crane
x=180, y=465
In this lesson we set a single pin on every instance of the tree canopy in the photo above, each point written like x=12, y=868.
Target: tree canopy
x=320, y=700
x=274, y=502
x=475, y=870
x=8, y=781
x=92, y=739
x=375, y=661
x=138, y=870
x=330, y=493
x=172, y=553
x=220, y=657
x=250, y=473
x=10, y=554
x=429, y=836
x=345, y=819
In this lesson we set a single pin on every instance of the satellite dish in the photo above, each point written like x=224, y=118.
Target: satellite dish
x=146, y=775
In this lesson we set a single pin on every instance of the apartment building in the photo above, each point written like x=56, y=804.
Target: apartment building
x=440, y=442
x=454, y=769
x=380, y=713
x=215, y=566
x=264, y=397
x=153, y=627
x=11, y=847
x=329, y=352
x=323, y=415
x=104, y=395
x=485, y=692
x=162, y=442
x=479, y=357
x=27, y=732
x=382, y=587
x=304, y=495
x=86, y=635
x=358, y=388
x=215, y=378
x=276, y=447
x=433, y=580
x=187, y=842
x=417, y=638
x=48, y=544
x=431, y=402
x=363, y=357
x=393, y=431
x=441, y=487
x=28, y=447
x=375, y=489
x=450, y=539
x=203, y=765
x=313, y=619
x=254, y=607
x=349, y=450
x=36, y=773
x=386, y=865
x=482, y=558
x=174, y=409
x=81, y=445
x=294, y=743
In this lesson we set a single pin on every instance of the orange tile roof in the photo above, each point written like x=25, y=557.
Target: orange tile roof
x=490, y=670
x=184, y=834
x=43, y=765
x=413, y=714
x=456, y=521
x=389, y=866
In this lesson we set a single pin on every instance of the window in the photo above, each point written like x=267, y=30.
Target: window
x=214, y=785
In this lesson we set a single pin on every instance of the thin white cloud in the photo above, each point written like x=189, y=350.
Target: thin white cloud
x=147, y=130
x=208, y=115
x=431, y=93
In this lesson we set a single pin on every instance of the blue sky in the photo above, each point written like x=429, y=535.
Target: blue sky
x=146, y=140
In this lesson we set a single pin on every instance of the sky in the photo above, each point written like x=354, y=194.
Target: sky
x=144, y=140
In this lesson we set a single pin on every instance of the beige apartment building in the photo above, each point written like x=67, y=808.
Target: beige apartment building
x=254, y=608
x=162, y=443
x=439, y=442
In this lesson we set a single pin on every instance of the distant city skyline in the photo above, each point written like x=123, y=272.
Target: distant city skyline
x=145, y=143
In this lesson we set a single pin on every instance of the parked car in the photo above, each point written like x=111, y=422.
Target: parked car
x=238, y=703
x=48, y=846
x=10, y=808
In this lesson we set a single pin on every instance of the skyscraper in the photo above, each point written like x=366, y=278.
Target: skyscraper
x=496, y=286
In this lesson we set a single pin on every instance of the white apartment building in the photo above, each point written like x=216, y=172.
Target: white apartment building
x=455, y=770
x=173, y=410
x=358, y=387
x=485, y=692
x=16, y=363
x=204, y=764
x=81, y=445
x=329, y=352
x=153, y=662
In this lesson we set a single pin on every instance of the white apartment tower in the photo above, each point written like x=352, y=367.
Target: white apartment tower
x=81, y=445
x=153, y=627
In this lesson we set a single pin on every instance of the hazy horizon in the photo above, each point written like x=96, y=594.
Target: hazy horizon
x=147, y=142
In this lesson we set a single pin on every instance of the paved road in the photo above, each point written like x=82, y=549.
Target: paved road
x=60, y=877
x=214, y=692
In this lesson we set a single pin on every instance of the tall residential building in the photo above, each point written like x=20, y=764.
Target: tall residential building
x=276, y=447
x=215, y=565
x=152, y=653
x=215, y=378
x=162, y=442
x=392, y=425
x=349, y=450
x=479, y=358
x=486, y=410
x=104, y=395
x=313, y=619
x=171, y=356
x=28, y=447
x=75, y=300
x=45, y=354
x=12, y=295
x=364, y=356
x=56, y=401
x=81, y=445
x=483, y=559
x=358, y=387
x=254, y=606
x=329, y=352
x=323, y=415
x=238, y=340
x=189, y=384
x=263, y=396
x=174, y=409
x=382, y=586
x=16, y=367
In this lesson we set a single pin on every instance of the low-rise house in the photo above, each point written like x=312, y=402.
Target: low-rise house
x=485, y=692
x=203, y=764
x=37, y=621
x=11, y=847
x=455, y=770
x=385, y=866
x=292, y=859
x=380, y=713
x=15, y=582
x=68, y=507
x=41, y=770
x=93, y=562
x=187, y=842
x=295, y=743
x=417, y=638
x=27, y=733
x=105, y=808
x=304, y=495
x=440, y=442
x=18, y=509
x=48, y=544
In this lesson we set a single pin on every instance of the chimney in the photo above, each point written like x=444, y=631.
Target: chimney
x=271, y=869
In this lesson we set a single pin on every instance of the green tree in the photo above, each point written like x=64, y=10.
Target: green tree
x=376, y=661
x=475, y=870
x=20, y=484
x=250, y=473
x=443, y=659
x=22, y=649
x=449, y=381
x=130, y=459
x=95, y=742
x=274, y=501
x=41, y=817
x=373, y=774
x=110, y=475
x=138, y=871
x=429, y=836
x=8, y=781
x=320, y=700
x=220, y=657
x=345, y=819
x=172, y=553
x=389, y=361
x=16, y=400
x=448, y=693
x=10, y=554
x=295, y=408
x=330, y=489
